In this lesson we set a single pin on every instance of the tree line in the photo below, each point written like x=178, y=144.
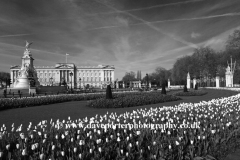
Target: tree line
x=205, y=62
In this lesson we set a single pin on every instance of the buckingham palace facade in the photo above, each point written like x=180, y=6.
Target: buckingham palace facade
x=79, y=76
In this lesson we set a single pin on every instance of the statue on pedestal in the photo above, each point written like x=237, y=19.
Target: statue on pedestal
x=27, y=72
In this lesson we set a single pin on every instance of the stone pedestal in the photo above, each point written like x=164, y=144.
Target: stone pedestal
x=188, y=81
x=23, y=82
x=123, y=85
x=194, y=82
x=217, y=82
x=169, y=83
x=117, y=85
x=32, y=90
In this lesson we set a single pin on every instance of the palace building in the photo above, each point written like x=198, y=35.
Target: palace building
x=26, y=74
x=79, y=76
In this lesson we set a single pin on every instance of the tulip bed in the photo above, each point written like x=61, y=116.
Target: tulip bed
x=219, y=134
x=132, y=100
x=8, y=103
x=191, y=93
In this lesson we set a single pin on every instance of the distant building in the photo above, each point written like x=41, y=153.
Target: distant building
x=95, y=76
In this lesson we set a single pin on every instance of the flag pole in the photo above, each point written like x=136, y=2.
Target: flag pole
x=66, y=57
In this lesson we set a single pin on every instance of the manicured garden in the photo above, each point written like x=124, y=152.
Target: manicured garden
x=191, y=93
x=121, y=99
x=59, y=139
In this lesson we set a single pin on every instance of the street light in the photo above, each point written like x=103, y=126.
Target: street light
x=147, y=81
x=129, y=79
x=51, y=80
x=71, y=74
x=80, y=83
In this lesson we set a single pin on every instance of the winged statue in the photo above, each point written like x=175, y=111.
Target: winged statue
x=28, y=44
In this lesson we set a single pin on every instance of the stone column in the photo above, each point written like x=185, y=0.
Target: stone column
x=149, y=84
x=140, y=84
x=169, y=83
x=73, y=79
x=217, y=81
x=60, y=74
x=102, y=75
x=11, y=76
x=117, y=85
x=188, y=81
x=194, y=82
x=123, y=85
x=112, y=75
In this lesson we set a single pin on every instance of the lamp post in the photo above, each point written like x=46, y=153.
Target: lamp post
x=129, y=79
x=71, y=74
x=79, y=83
x=51, y=80
x=147, y=81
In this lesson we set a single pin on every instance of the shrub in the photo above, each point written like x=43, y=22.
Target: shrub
x=196, y=86
x=163, y=89
x=132, y=100
x=109, y=92
x=185, y=88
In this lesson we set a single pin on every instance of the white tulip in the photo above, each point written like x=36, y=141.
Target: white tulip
x=118, y=139
x=41, y=156
x=177, y=143
x=33, y=147
x=24, y=152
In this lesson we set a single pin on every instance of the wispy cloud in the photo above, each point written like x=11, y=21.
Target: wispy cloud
x=132, y=35
x=147, y=8
x=195, y=35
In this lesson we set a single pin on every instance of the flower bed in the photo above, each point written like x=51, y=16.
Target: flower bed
x=218, y=134
x=8, y=103
x=132, y=100
x=191, y=93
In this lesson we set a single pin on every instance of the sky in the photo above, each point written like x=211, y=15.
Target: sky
x=132, y=35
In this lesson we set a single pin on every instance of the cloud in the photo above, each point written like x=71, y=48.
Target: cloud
x=122, y=21
x=195, y=35
x=218, y=42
